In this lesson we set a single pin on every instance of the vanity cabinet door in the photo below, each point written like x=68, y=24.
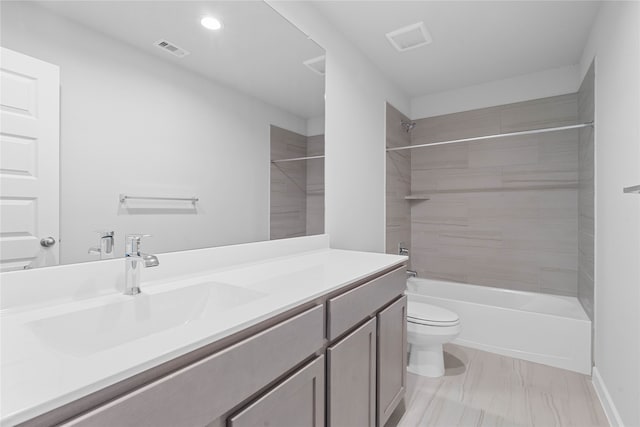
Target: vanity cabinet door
x=351, y=379
x=392, y=358
x=296, y=402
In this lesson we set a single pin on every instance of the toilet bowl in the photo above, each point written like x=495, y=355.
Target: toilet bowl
x=428, y=328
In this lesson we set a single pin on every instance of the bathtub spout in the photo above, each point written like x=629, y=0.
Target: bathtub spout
x=412, y=273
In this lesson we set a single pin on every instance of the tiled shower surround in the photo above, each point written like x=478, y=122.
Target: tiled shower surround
x=315, y=186
x=501, y=212
x=586, y=220
x=398, y=218
x=297, y=188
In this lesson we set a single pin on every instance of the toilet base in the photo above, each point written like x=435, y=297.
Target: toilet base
x=427, y=361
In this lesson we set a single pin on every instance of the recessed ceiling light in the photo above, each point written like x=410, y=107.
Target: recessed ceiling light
x=211, y=23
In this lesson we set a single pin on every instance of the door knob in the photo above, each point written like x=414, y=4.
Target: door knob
x=47, y=241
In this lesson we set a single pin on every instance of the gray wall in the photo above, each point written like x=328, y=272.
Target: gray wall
x=502, y=212
x=297, y=188
x=398, y=170
x=586, y=195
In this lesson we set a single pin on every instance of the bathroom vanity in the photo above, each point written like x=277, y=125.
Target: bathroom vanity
x=310, y=336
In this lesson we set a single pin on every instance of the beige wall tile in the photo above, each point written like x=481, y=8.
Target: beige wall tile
x=539, y=113
x=467, y=124
x=558, y=147
x=315, y=186
x=424, y=181
x=559, y=281
x=468, y=179
x=504, y=152
x=297, y=188
x=440, y=157
x=528, y=176
x=502, y=212
x=431, y=264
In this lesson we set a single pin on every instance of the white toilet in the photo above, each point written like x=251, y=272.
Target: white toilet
x=428, y=328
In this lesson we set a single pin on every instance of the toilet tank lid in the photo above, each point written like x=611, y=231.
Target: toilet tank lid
x=422, y=311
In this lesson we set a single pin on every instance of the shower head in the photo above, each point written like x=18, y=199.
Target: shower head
x=408, y=126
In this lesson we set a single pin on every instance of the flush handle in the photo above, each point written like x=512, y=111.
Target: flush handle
x=47, y=241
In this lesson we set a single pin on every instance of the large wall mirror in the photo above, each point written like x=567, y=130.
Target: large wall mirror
x=166, y=128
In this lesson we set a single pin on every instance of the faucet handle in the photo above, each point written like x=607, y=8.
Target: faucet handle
x=402, y=249
x=105, y=244
x=137, y=237
x=133, y=242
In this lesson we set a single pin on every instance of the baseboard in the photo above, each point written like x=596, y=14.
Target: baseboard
x=605, y=399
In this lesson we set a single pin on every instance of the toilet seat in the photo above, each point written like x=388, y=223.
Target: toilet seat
x=432, y=322
x=430, y=315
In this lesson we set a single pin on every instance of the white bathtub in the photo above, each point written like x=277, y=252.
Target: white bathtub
x=549, y=329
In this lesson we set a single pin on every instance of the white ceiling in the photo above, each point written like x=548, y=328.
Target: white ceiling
x=473, y=41
x=257, y=52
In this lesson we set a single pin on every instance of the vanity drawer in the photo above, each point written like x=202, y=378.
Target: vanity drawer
x=297, y=401
x=205, y=390
x=348, y=309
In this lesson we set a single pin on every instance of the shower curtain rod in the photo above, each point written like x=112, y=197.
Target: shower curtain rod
x=296, y=159
x=498, y=135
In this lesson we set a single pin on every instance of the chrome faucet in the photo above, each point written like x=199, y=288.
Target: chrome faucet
x=134, y=262
x=105, y=245
x=402, y=249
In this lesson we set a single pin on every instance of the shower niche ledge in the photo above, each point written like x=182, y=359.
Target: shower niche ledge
x=418, y=197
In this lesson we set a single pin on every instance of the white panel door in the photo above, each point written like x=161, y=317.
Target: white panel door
x=29, y=161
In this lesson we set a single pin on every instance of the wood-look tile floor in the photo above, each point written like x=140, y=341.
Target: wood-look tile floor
x=486, y=389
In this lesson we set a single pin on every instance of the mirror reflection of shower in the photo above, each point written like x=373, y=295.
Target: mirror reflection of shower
x=408, y=126
x=297, y=184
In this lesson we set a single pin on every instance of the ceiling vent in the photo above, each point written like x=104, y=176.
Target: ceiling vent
x=317, y=65
x=171, y=48
x=410, y=37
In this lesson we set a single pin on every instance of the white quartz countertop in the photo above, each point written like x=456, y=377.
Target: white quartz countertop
x=41, y=372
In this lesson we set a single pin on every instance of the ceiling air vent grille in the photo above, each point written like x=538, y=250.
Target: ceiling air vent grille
x=410, y=37
x=317, y=65
x=171, y=48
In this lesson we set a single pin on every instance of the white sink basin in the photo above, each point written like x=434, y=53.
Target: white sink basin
x=128, y=318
